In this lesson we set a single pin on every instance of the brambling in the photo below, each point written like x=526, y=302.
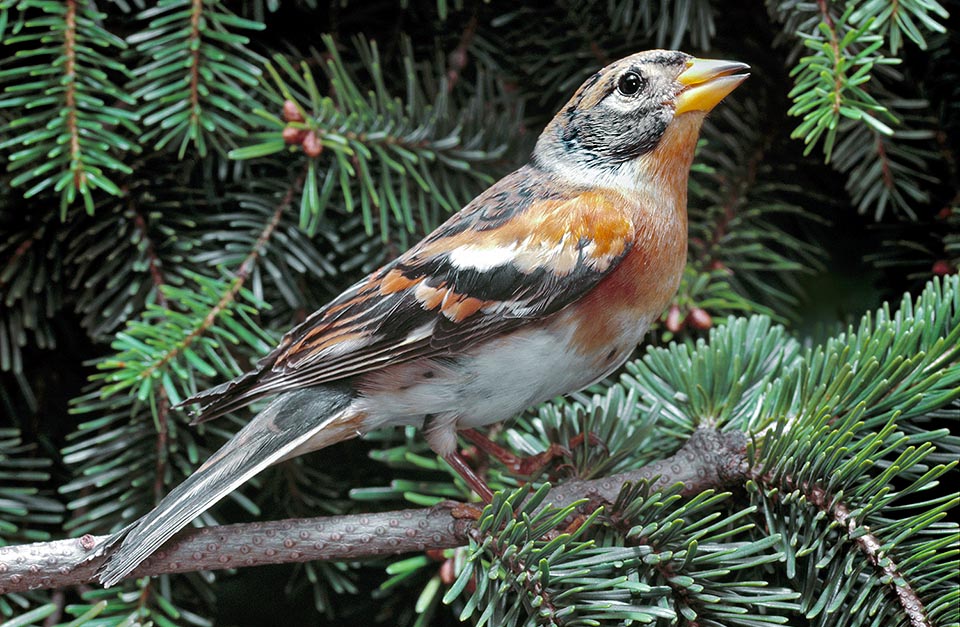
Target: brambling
x=542, y=285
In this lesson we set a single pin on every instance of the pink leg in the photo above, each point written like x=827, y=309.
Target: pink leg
x=525, y=466
x=463, y=469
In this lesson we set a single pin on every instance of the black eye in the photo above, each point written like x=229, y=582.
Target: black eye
x=630, y=83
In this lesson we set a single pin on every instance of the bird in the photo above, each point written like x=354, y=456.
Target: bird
x=540, y=286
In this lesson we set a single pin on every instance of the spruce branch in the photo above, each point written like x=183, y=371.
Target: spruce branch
x=213, y=306
x=195, y=75
x=829, y=82
x=873, y=549
x=25, y=507
x=843, y=517
x=903, y=18
x=846, y=91
x=155, y=456
x=555, y=48
x=116, y=442
x=889, y=171
x=154, y=265
x=709, y=459
x=826, y=435
x=369, y=150
x=31, y=289
x=73, y=137
x=830, y=499
x=132, y=250
x=458, y=58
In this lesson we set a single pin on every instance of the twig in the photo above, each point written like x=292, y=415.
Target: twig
x=59, y=599
x=242, y=274
x=196, y=14
x=868, y=543
x=457, y=60
x=153, y=259
x=835, y=45
x=709, y=459
x=70, y=93
x=872, y=548
x=738, y=190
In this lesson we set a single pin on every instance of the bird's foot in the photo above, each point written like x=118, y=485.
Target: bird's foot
x=529, y=465
x=591, y=438
x=521, y=465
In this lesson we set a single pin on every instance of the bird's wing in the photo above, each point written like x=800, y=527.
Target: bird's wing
x=510, y=257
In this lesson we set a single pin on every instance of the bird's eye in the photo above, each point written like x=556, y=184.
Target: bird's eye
x=630, y=83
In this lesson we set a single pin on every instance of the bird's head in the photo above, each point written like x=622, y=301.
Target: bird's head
x=636, y=120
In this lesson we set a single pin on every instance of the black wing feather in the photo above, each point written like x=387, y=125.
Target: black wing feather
x=390, y=327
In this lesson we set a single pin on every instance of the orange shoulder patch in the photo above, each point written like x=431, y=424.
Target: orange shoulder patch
x=601, y=216
x=394, y=281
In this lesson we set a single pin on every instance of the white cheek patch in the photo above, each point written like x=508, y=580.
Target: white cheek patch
x=481, y=259
x=627, y=176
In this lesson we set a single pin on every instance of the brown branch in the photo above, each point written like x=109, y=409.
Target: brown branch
x=162, y=401
x=242, y=274
x=578, y=23
x=457, y=60
x=163, y=436
x=70, y=92
x=153, y=259
x=196, y=12
x=871, y=546
x=19, y=252
x=738, y=190
x=868, y=543
x=710, y=459
x=885, y=170
x=941, y=137
x=835, y=45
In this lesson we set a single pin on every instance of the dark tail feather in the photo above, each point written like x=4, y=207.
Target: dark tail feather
x=294, y=423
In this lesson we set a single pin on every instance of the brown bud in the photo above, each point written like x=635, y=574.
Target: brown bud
x=700, y=319
x=293, y=135
x=290, y=112
x=941, y=267
x=674, y=319
x=436, y=555
x=457, y=59
x=944, y=213
x=311, y=145
x=447, y=573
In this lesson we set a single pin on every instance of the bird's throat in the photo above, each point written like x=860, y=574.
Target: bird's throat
x=666, y=169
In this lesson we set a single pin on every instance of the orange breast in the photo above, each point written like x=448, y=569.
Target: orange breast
x=639, y=289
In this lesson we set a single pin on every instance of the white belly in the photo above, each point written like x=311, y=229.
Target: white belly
x=492, y=382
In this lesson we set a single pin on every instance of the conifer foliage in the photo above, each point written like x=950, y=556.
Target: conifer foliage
x=183, y=180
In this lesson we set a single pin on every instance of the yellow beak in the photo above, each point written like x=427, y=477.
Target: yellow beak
x=707, y=82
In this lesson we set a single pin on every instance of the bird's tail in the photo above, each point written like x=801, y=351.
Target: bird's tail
x=294, y=423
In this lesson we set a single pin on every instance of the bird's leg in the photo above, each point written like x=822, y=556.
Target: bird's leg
x=463, y=469
x=525, y=466
x=590, y=438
